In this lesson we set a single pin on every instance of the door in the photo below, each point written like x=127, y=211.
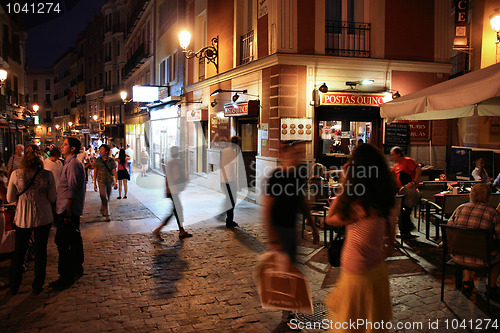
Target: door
x=247, y=130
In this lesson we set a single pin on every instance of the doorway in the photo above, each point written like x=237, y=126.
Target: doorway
x=248, y=131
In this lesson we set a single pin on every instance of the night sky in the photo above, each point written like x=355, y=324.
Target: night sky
x=50, y=36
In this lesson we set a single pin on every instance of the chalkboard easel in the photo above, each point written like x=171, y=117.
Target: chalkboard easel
x=397, y=134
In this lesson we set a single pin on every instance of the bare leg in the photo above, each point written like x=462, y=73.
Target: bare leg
x=125, y=186
x=120, y=187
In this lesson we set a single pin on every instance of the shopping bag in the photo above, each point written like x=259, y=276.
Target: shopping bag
x=281, y=285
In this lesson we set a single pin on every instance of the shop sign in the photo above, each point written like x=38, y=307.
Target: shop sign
x=219, y=129
x=197, y=115
x=85, y=131
x=342, y=98
x=249, y=108
x=420, y=130
x=461, y=38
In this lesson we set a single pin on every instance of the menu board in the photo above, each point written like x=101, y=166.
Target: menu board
x=296, y=129
x=396, y=134
x=219, y=130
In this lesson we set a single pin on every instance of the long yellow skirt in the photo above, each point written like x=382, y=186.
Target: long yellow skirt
x=363, y=299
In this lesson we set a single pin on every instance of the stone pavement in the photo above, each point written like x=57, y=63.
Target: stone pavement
x=205, y=283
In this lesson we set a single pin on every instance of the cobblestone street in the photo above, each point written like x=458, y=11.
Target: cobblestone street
x=205, y=283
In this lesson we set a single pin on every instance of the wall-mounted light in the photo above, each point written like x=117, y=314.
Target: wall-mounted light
x=211, y=52
x=235, y=97
x=213, y=103
x=218, y=91
x=495, y=23
x=95, y=117
x=35, y=108
x=123, y=96
x=57, y=127
x=70, y=123
x=323, y=88
x=3, y=77
x=354, y=84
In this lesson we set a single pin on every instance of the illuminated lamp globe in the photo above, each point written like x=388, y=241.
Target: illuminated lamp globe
x=123, y=95
x=70, y=124
x=3, y=75
x=184, y=39
x=36, y=107
x=95, y=117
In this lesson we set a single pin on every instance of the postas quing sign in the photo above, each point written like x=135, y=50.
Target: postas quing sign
x=342, y=98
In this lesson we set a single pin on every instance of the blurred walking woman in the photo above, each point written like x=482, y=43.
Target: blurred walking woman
x=34, y=190
x=366, y=208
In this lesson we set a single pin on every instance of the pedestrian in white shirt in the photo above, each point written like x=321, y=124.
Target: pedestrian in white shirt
x=130, y=153
x=54, y=164
x=114, y=151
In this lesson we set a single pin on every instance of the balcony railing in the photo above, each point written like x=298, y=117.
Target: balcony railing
x=460, y=64
x=139, y=57
x=347, y=39
x=246, y=48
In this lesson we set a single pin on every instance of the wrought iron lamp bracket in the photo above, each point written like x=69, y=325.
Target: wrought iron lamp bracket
x=211, y=53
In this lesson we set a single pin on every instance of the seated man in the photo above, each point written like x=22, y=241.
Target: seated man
x=476, y=214
x=480, y=173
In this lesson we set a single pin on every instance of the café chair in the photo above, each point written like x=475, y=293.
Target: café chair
x=475, y=243
x=438, y=215
x=427, y=191
x=317, y=199
x=494, y=200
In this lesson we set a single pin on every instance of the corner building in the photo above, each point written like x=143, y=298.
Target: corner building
x=277, y=54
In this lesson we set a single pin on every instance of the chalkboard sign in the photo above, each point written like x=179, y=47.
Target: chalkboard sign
x=397, y=134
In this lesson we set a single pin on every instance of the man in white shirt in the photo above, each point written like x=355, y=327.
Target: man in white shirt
x=114, y=151
x=130, y=152
x=54, y=164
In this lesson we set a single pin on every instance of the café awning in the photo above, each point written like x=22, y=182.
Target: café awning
x=477, y=92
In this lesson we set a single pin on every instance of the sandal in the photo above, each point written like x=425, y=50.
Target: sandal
x=125, y=197
x=119, y=197
x=185, y=235
x=158, y=238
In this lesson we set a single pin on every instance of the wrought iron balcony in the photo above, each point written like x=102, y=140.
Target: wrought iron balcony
x=138, y=58
x=347, y=39
x=246, y=48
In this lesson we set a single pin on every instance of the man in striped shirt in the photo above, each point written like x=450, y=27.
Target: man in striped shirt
x=476, y=214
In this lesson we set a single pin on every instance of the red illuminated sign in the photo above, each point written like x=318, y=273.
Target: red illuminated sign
x=342, y=98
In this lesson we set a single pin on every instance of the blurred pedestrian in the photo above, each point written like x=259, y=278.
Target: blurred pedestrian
x=54, y=164
x=105, y=175
x=175, y=182
x=3, y=168
x=130, y=153
x=3, y=198
x=283, y=202
x=123, y=175
x=228, y=180
x=69, y=208
x=407, y=174
x=366, y=207
x=34, y=190
x=144, y=161
x=15, y=160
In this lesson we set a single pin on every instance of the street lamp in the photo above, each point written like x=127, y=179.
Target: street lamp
x=70, y=123
x=57, y=127
x=3, y=77
x=495, y=23
x=123, y=96
x=36, y=108
x=95, y=117
x=211, y=52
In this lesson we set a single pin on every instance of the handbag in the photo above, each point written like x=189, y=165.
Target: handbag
x=335, y=248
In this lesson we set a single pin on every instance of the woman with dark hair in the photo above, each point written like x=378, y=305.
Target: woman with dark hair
x=34, y=190
x=123, y=175
x=366, y=207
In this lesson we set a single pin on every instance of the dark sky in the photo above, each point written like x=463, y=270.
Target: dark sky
x=50, y=36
